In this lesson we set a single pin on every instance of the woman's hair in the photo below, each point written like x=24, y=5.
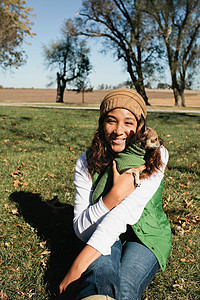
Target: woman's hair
x=100, y=154
x=153, y=162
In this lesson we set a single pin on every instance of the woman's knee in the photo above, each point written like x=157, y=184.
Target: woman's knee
x=102, y=277
x=139, y=266
x=104, y=271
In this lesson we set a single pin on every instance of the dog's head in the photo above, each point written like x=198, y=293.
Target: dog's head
x=146, y=137
x=152, y=139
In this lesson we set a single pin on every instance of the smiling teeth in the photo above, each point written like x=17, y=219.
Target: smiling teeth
x=119, y=139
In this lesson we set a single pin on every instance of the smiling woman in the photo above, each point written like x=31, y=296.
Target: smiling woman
x=108, y=203
x=119, y=125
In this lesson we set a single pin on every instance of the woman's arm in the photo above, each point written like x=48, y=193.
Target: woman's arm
x=127, y=212
x=123, y=186
x=80, y=264
x=86, y=216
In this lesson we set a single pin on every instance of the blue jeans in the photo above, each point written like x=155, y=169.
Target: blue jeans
x=123, y=275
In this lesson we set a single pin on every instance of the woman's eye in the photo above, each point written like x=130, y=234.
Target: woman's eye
x=110, y=121
x=129, y=123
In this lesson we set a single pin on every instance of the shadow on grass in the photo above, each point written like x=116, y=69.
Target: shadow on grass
x=174, y=118
x=53, y=222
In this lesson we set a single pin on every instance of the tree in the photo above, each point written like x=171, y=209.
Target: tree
x=69, y=56
x=15, y=25
x=82, y=85
x=126, y=31
x=178, y=24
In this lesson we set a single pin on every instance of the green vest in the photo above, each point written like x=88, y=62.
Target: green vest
x=153, y=228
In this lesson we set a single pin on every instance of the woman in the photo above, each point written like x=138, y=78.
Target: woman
x=107, y=267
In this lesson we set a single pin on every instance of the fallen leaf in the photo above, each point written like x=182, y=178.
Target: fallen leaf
x=6, y=206
x=183, y=259
x=51, y=175
x=19, y=226
x=15, y=173
x=7, y=244
x=17, y=183
x=42, y=244
x=44, y=262
x=3, y=295
x=46, y=252
x=178, y=285
x=6, y=162
x=191, y=260
x=4, y=142
x=14, y=212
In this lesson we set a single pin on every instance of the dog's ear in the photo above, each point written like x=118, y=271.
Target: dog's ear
x=142, y=126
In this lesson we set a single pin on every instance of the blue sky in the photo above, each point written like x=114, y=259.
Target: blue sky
x=50, y=18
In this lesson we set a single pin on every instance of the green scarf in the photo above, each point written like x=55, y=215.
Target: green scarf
x=131, y=157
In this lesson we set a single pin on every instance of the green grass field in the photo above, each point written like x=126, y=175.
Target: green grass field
x=39, y=148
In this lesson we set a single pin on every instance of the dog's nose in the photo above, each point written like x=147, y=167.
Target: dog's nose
x=161, y=143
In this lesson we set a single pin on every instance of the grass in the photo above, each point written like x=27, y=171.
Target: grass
x=39, y=148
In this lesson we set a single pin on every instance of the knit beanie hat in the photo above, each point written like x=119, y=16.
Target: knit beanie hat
x=124, y=98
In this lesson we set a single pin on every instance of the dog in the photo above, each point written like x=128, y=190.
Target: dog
x=146, y=138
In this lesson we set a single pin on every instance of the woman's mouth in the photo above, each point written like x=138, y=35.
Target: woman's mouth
x=118, y=141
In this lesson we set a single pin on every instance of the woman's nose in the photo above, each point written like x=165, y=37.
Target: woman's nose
x=119, y=129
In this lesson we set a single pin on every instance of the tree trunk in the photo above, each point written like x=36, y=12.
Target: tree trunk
x=83, y=96
x=138, y=83
x=60, y=89
x=177, y=97
x=176, y=90
x=182, y=99
x=141, y=90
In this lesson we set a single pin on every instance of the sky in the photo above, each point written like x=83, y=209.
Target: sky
x=51, y=15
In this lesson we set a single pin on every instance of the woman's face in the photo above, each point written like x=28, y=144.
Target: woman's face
x=119, y=124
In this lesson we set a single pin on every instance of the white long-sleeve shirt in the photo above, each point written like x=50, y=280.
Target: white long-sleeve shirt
x=95, y=224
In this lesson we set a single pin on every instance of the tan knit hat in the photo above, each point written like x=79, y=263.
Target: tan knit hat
x=124, y=98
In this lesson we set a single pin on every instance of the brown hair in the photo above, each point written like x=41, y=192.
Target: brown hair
x=153, y=162
x=100, y=154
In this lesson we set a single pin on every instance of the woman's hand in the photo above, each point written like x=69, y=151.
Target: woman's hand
x=123, y=185
x=72, y=275
x=80, y=264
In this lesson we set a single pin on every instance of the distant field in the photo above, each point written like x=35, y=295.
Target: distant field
x=156, y=97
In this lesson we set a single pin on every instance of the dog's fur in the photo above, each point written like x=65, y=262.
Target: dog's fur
x=146, y=138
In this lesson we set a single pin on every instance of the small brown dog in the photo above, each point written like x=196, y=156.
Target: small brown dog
x=147, y=138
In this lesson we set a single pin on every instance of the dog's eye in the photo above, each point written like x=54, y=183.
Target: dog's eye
x=155, y=140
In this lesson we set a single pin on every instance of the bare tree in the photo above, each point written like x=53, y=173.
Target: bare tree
x=178, y=24
x=126, y=31
x=69, y=56
x=83, y=85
